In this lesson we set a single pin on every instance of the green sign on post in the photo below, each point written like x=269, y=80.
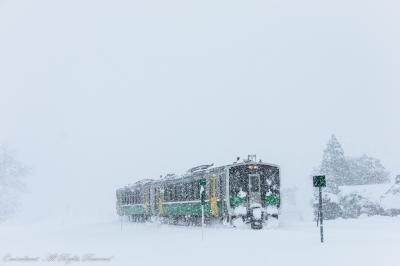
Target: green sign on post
x=319, y=181
x=202, y=183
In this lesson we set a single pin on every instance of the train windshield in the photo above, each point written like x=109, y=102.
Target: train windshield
x=251, y=183
x=254, y=182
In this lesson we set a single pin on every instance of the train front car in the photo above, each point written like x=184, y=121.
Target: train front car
x=254, y=193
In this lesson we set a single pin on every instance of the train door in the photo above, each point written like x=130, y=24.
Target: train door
x=152, y=203
x=156, y=192
x=254, y=189
x=213, y=195
x=146, y=200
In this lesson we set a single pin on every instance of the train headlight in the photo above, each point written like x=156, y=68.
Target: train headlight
x=253, y=167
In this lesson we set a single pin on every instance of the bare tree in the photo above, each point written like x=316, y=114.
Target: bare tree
x=11, y=182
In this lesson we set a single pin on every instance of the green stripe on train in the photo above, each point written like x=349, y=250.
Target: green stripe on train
x=272, y=199
x=184, y=208
x=132, y=209
x=189, y=208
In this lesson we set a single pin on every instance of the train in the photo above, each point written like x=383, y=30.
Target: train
x=246, y=190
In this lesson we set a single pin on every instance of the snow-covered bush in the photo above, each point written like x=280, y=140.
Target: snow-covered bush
x=330, y=205
x=390, y=200
x=353, y=205
x=347, y=205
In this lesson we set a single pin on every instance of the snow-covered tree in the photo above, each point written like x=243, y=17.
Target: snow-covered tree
x=11, y=183
x=334, y=164
x=366, y=170
x=341, y=170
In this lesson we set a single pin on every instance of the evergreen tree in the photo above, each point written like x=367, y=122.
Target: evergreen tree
x=334, y=164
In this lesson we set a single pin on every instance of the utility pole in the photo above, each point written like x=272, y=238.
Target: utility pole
x=320, y=182
x=321, y=226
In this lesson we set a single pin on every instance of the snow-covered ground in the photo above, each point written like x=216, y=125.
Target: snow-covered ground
x=365, y=241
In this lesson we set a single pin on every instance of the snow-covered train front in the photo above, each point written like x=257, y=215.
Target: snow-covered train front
x=247, y=191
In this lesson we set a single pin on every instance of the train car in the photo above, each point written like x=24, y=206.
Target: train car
x=248, y=190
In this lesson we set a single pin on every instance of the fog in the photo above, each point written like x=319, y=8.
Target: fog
x=98, y=94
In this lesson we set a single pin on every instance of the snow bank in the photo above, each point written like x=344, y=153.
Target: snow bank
x=367, y=241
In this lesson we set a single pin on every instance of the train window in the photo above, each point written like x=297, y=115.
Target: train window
x=220, y=186
x=177, y=192
x=137, y=196
x=156, y=197
x=180, y=192
x=170, y=193
x=238, y=182
x=166, y=193
x=254, y=183
x=140, y=197
x=193, y=191
x=196, y=190
x=185, y=189
x=174, y=193
x=189, y=191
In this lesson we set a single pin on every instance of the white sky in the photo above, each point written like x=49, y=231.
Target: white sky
x=97, y=94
